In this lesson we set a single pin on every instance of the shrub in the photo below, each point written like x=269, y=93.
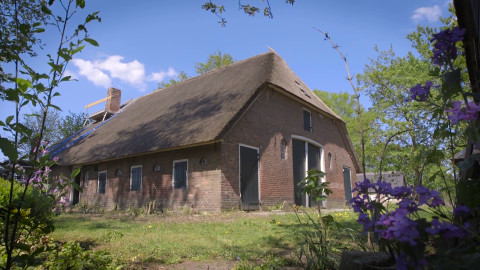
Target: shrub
x=72, y=256
x=35, y=219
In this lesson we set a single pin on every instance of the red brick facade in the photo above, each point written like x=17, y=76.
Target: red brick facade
x=272, y=118
x=213, y=169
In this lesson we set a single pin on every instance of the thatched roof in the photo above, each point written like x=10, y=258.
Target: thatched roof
x=196, y=111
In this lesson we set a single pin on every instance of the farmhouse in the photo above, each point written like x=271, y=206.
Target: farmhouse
x=242, y=136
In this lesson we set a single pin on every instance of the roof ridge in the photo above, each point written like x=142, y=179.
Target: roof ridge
x=217, y=70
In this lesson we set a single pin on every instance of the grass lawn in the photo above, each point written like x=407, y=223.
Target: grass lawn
x=176, y=238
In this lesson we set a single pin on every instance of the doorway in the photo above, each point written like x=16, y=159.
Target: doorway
x=249, y=185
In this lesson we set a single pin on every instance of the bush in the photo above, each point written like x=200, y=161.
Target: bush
x=35, y=219
x=72, y=256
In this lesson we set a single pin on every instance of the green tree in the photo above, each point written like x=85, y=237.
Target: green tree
x=71, y=123
x=387, y=81
x=214, y=61
x=344, y=105
x=411, y=128
x=19, y=28
x=56, y=128
x=182, y=76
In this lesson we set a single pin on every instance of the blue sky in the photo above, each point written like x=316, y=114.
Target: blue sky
x=145, y=42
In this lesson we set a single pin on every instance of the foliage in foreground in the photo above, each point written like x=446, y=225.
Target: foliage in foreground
x=71, y=256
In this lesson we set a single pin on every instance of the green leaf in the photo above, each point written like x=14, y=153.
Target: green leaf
x=76, y=50
x=9, y=119
x=12, y=95
x=39, y=30
x=45, y=9
x=75, y=173
x=65, y=56
x=8, y=149
x=23, y=84
x=66, y=78
x=55, y=107
x=91, y=17
x=92, y=41
x=55, y=67
x=81, y=3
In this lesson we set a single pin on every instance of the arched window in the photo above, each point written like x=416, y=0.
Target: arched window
x=329, y=161
x=283, y=149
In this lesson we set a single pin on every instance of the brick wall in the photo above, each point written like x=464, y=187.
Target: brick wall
x=271, y=118
x=202, y=193
x=214, y=185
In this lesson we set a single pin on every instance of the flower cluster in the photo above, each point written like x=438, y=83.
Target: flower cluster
x=396, y=225
x=463, y=113
x=444, y=48
x=401, y=225
x=419, y=92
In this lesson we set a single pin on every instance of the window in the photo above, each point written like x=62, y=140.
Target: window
x=283, y=150
x=330, y=161
x=180, y=170
x=136, y=177
x=102, y=182
x=85, y=180
x=307, y=121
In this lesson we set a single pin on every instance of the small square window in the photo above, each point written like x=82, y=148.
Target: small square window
x=180, y=174
x=136, y=178
x=307, y=121
x=102, y=182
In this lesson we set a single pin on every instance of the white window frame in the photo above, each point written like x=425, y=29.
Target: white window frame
x=98, y=182
x=173, y=173
x=141, y=176
x=303, y=120
x=86, y=178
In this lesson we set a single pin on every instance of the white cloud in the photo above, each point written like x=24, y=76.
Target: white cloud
x=92, y=72
x=73, y=75
x=431, y=14
x=160, y=76
x=132, y=73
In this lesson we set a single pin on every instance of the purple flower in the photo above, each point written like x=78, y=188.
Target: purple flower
x=55, y=159
x=461, y=210
x=364, y=220
x=425, y=195
x=397, y=225
x=419, y=92
x=382, y=187
x=444, y=47
x=445, y=229
x=471, y=111
x=360, y=203
x=408, y=204
x=402, y=192
x=463, y=113
x=363, y=186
